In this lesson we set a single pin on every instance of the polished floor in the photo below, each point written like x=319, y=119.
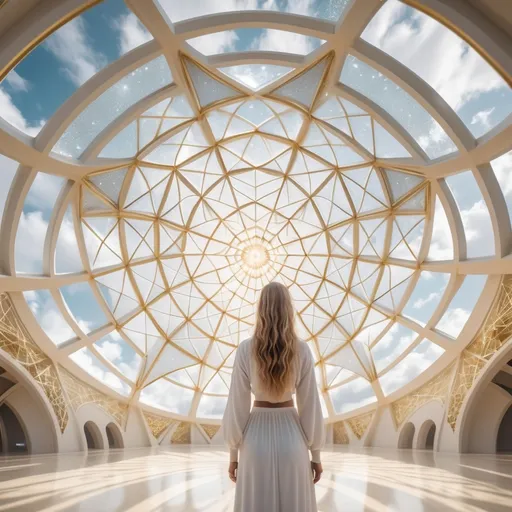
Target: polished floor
x=195, y=479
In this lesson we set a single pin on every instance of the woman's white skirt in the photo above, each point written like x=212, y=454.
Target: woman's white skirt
x=274, y=470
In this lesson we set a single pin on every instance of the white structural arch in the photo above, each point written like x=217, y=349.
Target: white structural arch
x=198, y=190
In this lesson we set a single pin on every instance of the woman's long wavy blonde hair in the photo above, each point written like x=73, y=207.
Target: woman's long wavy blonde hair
x=275, y=341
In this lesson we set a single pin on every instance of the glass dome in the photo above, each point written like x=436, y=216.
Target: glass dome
x=188, y=155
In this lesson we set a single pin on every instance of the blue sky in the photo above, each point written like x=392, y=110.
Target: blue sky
x=456, y=71
x=55, y=69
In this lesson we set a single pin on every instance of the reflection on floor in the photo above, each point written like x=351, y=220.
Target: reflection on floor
x=195, y=479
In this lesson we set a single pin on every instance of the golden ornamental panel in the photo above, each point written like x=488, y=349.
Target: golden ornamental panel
x=339, y=433
x=80, y=393
x=15, y=341
x=498, y=326
x=435, y=389
x=468, y=370
x=211, y=430
x=496, y=331
x=360, y=424
x=158, y=424
x=182, y=434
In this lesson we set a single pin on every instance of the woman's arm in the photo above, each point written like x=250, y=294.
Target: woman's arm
x=308, y=405
x=239, y=402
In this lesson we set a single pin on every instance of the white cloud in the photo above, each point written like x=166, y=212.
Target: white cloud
x=415, y=363
x=436, y=136
x=30, y=242
x=427, y=275
x=478, y=230
x=392, y=345
x=503, y=169
x=439, y=56
x=131, y=369
x=132, y=32
x=111, y=351
x=179, y=10
x=483, y=118
x=219, y=42
x=168, y=396
x=353, y=395
x=49, y=317
x=441, y=245
x=418, y=304
x=71, y=47
x=115, y=350
x=12, y=114
x=55, y=326
x=281, y=41
x=44, y=191
x=17, y=82
x=211, y=406
x=86, y=361
x=67, y=254
x=453, y=321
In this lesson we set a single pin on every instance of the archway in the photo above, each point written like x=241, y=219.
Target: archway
x=114, y=436
x=93, y=436
x=504, y=441
x=14, y=439
x=426, y=436
x=406, y=436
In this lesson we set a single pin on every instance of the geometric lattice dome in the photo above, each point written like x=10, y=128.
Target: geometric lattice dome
x=162, y=192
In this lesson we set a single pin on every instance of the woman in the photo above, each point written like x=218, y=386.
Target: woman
x=274, y=474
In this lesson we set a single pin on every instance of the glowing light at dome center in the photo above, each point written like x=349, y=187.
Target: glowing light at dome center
x=255, y=256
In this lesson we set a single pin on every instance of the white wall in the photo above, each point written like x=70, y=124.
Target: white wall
x=71, y=439
x=489, y=408
x=385, y=435
x=36, y=422
x=197, y=437
x=91, y=412
x=136, y=435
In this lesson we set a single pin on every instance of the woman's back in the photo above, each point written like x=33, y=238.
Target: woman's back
x=274, y=473
x=257, y=388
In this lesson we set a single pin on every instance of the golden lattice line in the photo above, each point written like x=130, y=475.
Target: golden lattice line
x=182, y=434
x=211, y=430
x=496, y=331
x=158, y=424
x=80, y=393
x=15, y=341
x=435, y=389
x=360, y=424
x=339, y=433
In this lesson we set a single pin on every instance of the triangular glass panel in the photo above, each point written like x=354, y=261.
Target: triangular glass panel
x=255, y=76
x=347, y=358
x=304, y=88
x=91, y=202
x=169, y=359
x=363, y=131
x=109, y=183
x=415, y=203
x=386, y=146
x=400, y=183
x=207, y=88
